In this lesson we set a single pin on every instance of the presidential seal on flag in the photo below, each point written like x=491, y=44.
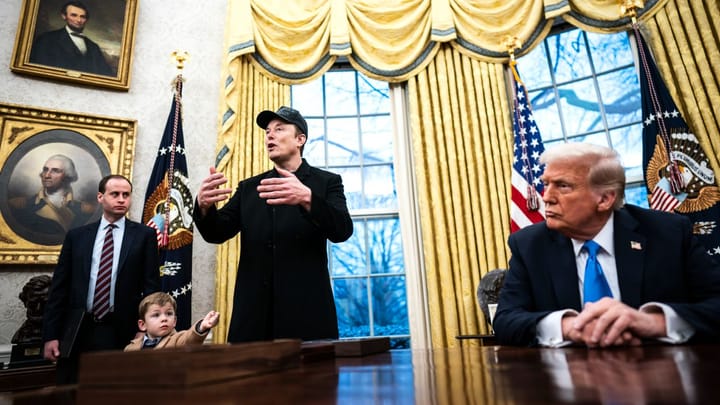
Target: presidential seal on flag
x=699, y=190
x=177, y=216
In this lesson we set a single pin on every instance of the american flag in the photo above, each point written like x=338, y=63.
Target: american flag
x=678, y=174
x=526, y=206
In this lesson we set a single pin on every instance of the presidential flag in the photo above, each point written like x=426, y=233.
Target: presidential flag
x=678, y=174
x=526, y=206
x=168, y=209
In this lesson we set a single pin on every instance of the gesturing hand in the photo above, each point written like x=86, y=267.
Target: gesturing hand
x=285, y=190
x=209, y=192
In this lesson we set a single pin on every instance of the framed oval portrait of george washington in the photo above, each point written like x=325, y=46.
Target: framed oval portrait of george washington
x=51, y=185
x=50, y=165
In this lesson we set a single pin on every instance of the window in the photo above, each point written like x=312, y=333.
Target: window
x=350, y=133
x=584, y=88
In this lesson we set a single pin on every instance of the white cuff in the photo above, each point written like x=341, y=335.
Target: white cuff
x=549, y=329
x=678, y=330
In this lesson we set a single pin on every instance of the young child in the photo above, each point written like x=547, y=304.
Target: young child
x=158, y=317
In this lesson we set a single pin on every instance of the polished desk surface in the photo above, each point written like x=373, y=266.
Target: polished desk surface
x=466, y=375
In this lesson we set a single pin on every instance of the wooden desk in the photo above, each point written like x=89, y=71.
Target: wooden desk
x=466, y=375
x=16, y=379
x=484, y=340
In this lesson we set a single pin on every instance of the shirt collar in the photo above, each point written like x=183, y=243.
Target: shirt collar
x=604, y=238
x=71, y=32
x=120, y=223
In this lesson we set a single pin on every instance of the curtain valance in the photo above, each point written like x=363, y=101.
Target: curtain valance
x=295, y=42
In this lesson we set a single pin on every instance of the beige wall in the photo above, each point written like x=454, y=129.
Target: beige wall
x=163, y=26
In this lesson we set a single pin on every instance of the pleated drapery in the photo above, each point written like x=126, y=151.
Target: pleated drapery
x=451, y=54
x=463, y=176
x=297, y=41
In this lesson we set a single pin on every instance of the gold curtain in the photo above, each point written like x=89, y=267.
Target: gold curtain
x=462, y=132
x=450, y=53
x=241, y=154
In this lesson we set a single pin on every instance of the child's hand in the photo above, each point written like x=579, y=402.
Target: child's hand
x=210, y=320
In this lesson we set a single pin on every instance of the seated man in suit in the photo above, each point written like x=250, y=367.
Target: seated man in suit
x=654, y=280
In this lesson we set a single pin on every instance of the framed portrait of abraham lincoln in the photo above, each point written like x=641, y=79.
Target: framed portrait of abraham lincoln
x=50, y=165
x=88, y=42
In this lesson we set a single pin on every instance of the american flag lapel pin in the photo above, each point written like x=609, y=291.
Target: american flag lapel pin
x=635, y=245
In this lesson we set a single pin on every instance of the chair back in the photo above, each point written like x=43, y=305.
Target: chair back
x=488, y=291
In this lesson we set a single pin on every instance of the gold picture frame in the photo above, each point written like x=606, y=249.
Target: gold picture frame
x=32, y=141
x=45, y=48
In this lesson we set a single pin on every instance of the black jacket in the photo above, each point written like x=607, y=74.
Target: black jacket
x=283, y=285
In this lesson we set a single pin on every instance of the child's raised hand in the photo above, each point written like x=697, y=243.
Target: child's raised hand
x=210, y=320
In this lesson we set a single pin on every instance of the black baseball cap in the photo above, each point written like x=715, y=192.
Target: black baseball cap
x=283, y=113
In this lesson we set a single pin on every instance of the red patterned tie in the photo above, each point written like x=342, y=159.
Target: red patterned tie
x=101, y=302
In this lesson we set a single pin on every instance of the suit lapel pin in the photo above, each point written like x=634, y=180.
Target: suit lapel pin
x=635, y=245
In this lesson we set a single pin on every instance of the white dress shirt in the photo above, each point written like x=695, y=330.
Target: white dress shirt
x=118, y=234
x=549, y=328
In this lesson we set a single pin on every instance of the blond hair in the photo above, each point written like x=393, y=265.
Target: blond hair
x=159, y=298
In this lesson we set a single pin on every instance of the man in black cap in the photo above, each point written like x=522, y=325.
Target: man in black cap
x=285, y=217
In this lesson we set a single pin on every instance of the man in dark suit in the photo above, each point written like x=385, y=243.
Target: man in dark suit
x=68, y=48
x=654, y=280
x=285, y=217
x=129, y=252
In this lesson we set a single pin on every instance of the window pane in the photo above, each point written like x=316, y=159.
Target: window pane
x=547, y=116
x=609, y=51
x=340, y=93
x=386, y=255
x=621, y=97
x=349, y=257
x=535, y=69
x=598, y=138
x=360, y=149
x=627, y=141
x=388, y=294
x=377, y=144
x=568, y=57
x=579, y=105
x=379, y=187
x=351, y=302
x=343, y=141
x=352, y=183
x=374, y=96
x=314, y=150
x=307, y=98
x=637, y=195
x=609, y=70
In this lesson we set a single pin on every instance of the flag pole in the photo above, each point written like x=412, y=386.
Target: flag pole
x=512, y=43
x=180, y=58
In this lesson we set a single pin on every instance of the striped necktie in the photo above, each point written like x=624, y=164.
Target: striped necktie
x=101, y=302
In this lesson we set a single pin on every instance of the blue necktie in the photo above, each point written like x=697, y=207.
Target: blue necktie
x=150, y=343
x=595, y=286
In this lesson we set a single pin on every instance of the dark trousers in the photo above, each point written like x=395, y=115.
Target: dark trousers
x=93, y=336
